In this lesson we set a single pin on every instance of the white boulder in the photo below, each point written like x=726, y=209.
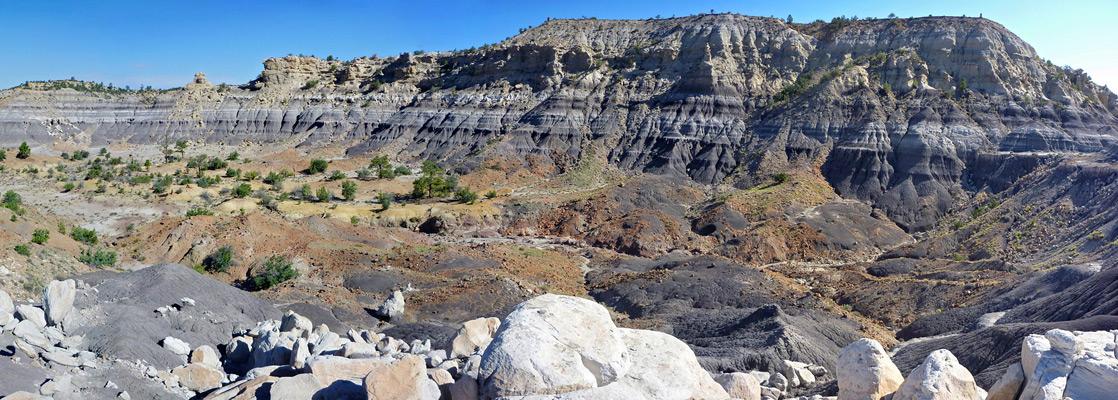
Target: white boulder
x=473, y=335
x=940, y=377
x=865, y=372
x=58, y=300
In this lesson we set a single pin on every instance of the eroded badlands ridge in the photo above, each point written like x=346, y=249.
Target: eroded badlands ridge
x=881, y=105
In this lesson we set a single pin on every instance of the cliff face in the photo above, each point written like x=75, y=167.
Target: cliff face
x=720, y=99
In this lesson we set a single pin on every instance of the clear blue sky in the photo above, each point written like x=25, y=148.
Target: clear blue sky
x=163, y=43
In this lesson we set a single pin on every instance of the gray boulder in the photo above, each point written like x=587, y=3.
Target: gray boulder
x=392, y=307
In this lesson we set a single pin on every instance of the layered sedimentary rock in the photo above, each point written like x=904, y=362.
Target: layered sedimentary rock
x=898, y=112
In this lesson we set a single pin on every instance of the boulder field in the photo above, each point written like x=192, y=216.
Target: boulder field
x=548, y=347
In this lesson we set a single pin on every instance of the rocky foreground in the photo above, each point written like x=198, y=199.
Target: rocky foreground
x=549, y=347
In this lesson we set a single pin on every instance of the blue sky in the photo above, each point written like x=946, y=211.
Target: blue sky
x=163, y=43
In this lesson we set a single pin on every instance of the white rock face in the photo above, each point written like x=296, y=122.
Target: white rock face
x=553, y=344
x=393, y=307
x=473, y=335
x=940, y=377
x=176, y=346
x=865, y=372
x=1071, y=365
x=740, y=385
x=58, y=300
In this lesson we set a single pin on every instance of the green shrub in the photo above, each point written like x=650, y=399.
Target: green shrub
x=219, y=260
x=40, y=236
x=24, y=151
x=233, y=156
x=310, y=84
x=13, y=201
x=277, y=269
x=385, y=200
x=242, y=190
x=491, y=194
x=349, y=190
x=465, y=195
x=402, y=170
x=323, y=194
x=306, y=193
x=336, y=175
x=98, y=258
x=275, y=179
x=22, y=249
x=61, y=228
x=252, y=176
x=780, y=178
x=198, y=211
x=87, y=236
x=318, y=165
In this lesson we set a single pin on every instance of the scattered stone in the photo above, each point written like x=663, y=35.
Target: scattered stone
x=779, y=381
x=293, y=322
x=740, y=385
x=328, y=369
x=6, y=304
x=299, y=387
x=405, y=379
x=187, y=302
x=865, y=372
x=31, y=333
x=359, y=350
x=58, y=300
x=393, y=307
x=940, y=377
x=27, y=312
x=299, y=353
x=1010, y=384
x=798, y=373
x=22, y=395
x=124, y=395
x=435, y=357
x=771, y=393
x=205, y=354
x=443, y=379
x=199, y=377
x=474, y=335
x=465, y=388
x=176, y=346
x=239, y=349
